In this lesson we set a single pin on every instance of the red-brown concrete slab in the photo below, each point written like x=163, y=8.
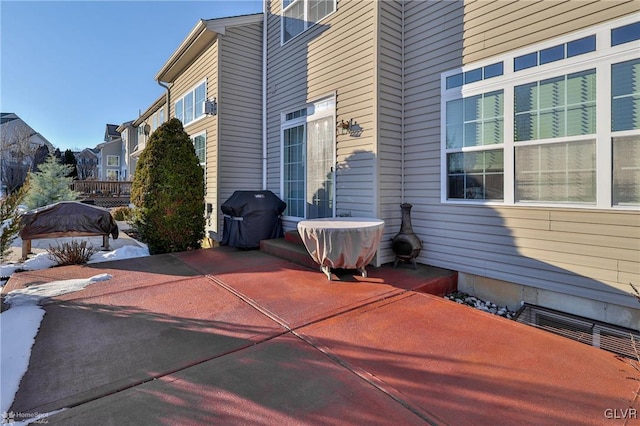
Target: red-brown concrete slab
x=226, y=259
x=26, y=278
x=297, y=295
x=126, y=274
x=97, y=345
x=361, y=351
x=463, y=366
x=282, y=381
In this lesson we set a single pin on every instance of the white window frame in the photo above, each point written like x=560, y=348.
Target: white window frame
x=306, y=23
x=310, y=116
x=192, y=91
x=193, y=140
x=601, y=59
x=157, y=119
x=111, y=157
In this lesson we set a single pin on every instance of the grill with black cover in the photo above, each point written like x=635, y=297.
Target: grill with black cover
x=251, y=216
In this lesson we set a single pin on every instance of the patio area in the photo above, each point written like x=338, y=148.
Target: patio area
x=228, y=336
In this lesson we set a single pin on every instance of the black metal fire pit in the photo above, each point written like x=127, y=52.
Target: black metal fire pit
x=406, y=244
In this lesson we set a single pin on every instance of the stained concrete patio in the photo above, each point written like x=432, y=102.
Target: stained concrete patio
x=224, y=336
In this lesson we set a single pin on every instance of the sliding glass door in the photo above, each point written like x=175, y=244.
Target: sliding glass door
x=308, y=161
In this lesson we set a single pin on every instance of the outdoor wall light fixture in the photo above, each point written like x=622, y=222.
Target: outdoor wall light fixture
x=345, y=127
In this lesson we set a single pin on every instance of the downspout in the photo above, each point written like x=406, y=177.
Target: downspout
x=402, y=105
x=264, y=94
x=166, y=87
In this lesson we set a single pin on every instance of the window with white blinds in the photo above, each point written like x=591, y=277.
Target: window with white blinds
x=563, y=133
x=625, y=118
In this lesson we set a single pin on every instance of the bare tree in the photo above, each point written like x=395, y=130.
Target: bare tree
x=87, y=167
x=18, y=154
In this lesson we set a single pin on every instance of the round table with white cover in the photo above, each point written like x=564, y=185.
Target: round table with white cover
x=342, y=242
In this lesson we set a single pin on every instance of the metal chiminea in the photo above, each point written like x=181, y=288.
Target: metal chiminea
x=406, y=245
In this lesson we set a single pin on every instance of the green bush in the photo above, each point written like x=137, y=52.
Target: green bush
x=168, y=192
x=122, y=213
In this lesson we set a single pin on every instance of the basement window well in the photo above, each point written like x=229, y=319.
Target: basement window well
x=612, y=338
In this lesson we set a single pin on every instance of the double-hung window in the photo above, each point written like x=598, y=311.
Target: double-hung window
x=113, y=160
x=299, y=15
x=474, y=147
x=190, y=106
x=557, y=125
x=157, y=119
x=200, y=146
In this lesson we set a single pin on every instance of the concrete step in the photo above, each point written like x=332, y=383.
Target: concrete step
x=293, y=237
x=286, y=249
x=423, y=279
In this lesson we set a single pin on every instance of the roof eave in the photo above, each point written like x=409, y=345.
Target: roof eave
x=202, y=34
x=162, y=100
x=188, y=50
x=123, y=126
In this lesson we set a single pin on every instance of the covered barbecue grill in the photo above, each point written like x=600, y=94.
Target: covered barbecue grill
x=251, y=216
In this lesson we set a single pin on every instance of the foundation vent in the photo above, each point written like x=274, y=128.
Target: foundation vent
x=612, y=338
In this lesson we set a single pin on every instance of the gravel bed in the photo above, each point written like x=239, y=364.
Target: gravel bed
x=483, y=305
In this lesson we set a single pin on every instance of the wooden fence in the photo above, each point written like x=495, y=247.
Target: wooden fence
x=102, y=188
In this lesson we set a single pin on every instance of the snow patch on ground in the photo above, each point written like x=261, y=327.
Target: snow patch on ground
x=44, y=261
x=126, y=252
x=35, y=263
x=19, y=326
x=35, y=294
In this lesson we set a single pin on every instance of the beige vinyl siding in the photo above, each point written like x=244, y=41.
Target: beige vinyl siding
x=586, y=253
x=330, y=58
x=389, y=117
x=492, y=28
x=205, y=66
x=232, y=67
x=240, y=112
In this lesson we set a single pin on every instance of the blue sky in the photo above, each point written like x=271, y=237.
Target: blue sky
x=68, y=68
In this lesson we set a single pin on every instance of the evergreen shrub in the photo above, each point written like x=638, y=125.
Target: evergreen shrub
x=122, y=213
x=168, y=192
x=50, y=184
x=10, y=215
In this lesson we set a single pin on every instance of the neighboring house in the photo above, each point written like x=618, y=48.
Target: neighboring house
x=87, y=164
x=220, y=61
x=129, y=137
x=110, y=154
x=19, y=147
x=501, y=123
x=513, y=129
x=145, y=125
